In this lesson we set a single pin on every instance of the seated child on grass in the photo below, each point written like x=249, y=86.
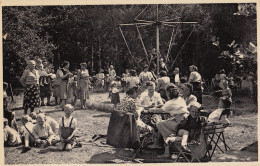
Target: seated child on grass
x=68, y=126
x=42, y=132
x=11, y=136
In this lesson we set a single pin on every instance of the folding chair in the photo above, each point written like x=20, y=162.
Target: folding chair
x=197, y=151
x=212, y=131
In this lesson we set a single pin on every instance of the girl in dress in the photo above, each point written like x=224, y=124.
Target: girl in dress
x=83, y=83
x=115, y=89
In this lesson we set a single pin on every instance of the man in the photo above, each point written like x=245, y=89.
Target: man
x=150, y=98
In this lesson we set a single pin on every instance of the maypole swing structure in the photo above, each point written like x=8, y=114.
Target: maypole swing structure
x=137, y=23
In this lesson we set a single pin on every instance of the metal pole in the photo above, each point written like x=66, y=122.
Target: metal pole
x=157, y=41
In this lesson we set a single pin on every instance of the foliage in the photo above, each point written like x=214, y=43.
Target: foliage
x=91, y=34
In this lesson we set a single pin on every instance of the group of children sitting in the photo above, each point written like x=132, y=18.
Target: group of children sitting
x=39, y=130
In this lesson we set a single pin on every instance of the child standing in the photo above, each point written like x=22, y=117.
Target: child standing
x=68, y=126
x=115, y=89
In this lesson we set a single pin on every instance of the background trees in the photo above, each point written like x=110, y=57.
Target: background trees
x=91, y=34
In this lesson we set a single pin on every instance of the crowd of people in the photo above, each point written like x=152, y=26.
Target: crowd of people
x=146, y=95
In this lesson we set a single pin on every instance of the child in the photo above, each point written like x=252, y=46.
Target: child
x=26, y=132
x=68, y=126
x=11, y=136
x=42, y=132
x=115, y=89
x=194, y=122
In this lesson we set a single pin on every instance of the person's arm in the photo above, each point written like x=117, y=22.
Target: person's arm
x=50, y=134
x=191, y=78
x=23, y=78
x=75, y=123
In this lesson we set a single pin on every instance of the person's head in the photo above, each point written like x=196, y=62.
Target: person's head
x=176, y=70
x=132, y=92
x=163, y=73
x=41, y=118
x=150, y=87
x=111, y=67
x=126, y=71
x=191, y=68
x=65, y=65
x=31, y=64
x=33, y=115
x=38, y=61
x=118, y=78
x=83, y=66
x=194, y=109
x=146, y=68
x=183, y=79
x=25, y=119
x=186, y=89
x=101, y=71
x=222, y=71
x=45, y=62
x=68, y=109
x=172, y=91
x=133, y=73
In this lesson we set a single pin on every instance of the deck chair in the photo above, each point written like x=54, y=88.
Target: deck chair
x=214, y=135
x=197, y=151
x=123, y=133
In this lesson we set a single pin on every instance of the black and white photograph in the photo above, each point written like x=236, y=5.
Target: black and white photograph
x=129, y=83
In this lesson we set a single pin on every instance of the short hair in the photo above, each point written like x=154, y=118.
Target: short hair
x=83, y=64
x=173, y=91
x=65, y=63
x=163, y=73
x=183, y=79
x=194, y=104
x=132, y=90
x=118, y=78
x=68, y=107
x=133, y=72
x=41, y=115
x=150, y=83
x=222, y=71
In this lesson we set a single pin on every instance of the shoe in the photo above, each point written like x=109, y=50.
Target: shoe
x=25, y=149
x=186, y=149
x=48, y=104
x=42, y=104
x=174, y=156
x=79, y=145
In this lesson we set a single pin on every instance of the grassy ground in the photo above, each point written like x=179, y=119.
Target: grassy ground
x=243, y=132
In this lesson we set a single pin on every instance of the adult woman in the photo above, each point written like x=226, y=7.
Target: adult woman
x=186, y=92
x=62, y=77
x=161, y=84
x=195, y=79
x=30, y=81
x=128, y=104
x=133, y=80
x=176, y=107
x=83, y=82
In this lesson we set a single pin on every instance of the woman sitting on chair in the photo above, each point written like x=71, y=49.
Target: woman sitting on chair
x=128, y=104
x=177, y=108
